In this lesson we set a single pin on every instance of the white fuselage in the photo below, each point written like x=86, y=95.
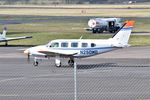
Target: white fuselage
x=80, y=48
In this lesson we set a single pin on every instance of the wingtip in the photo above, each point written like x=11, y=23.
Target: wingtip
x=28, y=36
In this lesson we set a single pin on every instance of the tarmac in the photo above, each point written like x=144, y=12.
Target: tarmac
x=122, y=74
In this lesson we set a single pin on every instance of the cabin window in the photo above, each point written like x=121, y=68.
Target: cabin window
x=55, y=44
x=84, y=45
x=64, y=44
x=93, y=44
x=74, y=44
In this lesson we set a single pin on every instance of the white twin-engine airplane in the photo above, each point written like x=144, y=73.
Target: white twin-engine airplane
x=5, y=39
x=80, y=48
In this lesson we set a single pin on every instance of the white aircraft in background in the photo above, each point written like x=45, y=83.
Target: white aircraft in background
x=80, y=48
x=5, y=39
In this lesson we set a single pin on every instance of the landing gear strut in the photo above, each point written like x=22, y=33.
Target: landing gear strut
x=35, y=63
x=71, y=62
x=57, y=61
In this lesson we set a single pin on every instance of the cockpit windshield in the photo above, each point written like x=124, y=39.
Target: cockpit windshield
x=55, y=44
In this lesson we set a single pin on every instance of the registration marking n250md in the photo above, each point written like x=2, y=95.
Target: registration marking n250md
x=88, y=52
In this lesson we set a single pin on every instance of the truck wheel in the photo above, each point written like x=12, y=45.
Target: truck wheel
x=94, y=30
x=99, y=31
x=112, y=31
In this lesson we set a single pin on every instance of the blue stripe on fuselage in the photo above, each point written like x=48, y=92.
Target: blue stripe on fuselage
x=81, y=48
x=86, y=52
x=91, y=52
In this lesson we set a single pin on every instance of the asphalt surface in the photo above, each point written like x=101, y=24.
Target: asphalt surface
x=118, y=75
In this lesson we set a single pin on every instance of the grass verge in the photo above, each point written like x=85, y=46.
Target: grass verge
x=43, y=38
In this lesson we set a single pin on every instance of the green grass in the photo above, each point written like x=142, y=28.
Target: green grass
x=72, y=26
x=51, y=27
x=56, y=28
x=140, y=40
x=44, y=32
x=43, y=38
x=142, y=25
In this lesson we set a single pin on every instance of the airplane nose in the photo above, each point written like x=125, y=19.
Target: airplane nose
x=26, y=51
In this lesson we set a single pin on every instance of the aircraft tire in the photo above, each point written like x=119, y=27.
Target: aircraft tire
x=71, y=62
x=58, y=65
x=35, y=63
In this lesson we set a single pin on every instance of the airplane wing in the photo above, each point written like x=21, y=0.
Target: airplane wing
x=60, y=53
x=18, y=38
x=15, y=38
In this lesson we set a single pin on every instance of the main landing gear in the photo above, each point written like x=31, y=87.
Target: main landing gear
x=35, y=63
x=58, y=62
x=71, y=62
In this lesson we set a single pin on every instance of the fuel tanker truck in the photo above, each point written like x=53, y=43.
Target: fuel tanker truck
x=99, y=25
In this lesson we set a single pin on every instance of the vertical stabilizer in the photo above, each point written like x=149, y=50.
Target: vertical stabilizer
x=121, y=38
x=3, y=34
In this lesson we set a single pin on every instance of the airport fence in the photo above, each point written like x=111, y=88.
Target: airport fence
x=88, y=79
x=108, y=79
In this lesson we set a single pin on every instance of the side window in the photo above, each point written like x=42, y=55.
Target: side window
x=84, y=45
x=93, y=44
x=64, y=44
x=74, y=44
x=55, y=44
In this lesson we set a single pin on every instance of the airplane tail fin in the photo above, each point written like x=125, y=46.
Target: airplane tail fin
x=121, y=38
x=3, y=34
